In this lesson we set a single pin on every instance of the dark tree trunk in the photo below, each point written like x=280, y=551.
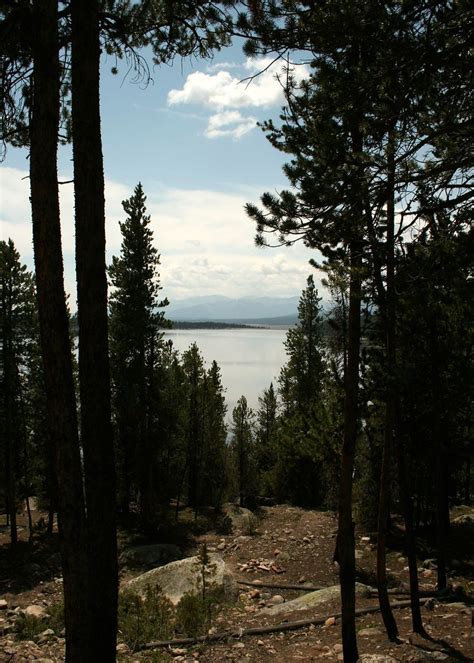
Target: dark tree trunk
x=345, y=540
x=96, y=428
x=440, y=478
x=54, y=326
x=410, y=542
x=10, y=432
x=390, y=406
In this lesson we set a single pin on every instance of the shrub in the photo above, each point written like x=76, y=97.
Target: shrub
x=27, y=627
x=251, y=524
x=144, y=619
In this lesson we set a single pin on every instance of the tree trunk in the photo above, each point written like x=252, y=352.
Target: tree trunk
x=410, y=542
x=96, y=428
x=345, y=540
x=9, y=405
x=53, y=323
x=390, y=403
x=440, y=483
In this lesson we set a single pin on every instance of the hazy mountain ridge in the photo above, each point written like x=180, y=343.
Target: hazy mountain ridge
x=228, y=309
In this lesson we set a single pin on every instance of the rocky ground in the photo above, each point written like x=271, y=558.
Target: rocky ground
x=286, y=546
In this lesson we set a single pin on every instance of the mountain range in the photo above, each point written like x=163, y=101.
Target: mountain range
x=219, y=308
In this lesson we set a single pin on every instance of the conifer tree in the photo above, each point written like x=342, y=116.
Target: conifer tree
x=215, y=479
x=266, y=440
x=243, y=448
x=193, y=366
x=17, y=328
x=135, y=321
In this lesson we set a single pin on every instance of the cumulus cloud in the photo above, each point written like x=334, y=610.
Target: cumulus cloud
x=229, y=123
x=225, y=93
x=204, y=237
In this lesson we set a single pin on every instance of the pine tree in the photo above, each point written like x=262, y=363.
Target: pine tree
x=266, y=440
x=135, y=339
x=215, y=471
x=243, y=449
x=17, y=330
x=193, y=366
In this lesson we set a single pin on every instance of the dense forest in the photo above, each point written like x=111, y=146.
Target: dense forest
x=108, y=426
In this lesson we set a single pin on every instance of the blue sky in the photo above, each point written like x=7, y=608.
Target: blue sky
x=191, y=138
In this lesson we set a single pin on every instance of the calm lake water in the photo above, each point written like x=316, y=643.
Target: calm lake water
x=249, y=359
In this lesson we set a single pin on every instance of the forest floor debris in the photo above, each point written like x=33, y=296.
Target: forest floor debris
x=300, y=544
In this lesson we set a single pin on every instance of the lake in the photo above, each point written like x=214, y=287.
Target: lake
x=249, y=359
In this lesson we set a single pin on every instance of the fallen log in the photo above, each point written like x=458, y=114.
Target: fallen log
x=279, y=585
x=313, y=588
x=262, y=630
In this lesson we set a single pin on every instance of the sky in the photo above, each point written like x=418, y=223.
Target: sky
x=191, y=138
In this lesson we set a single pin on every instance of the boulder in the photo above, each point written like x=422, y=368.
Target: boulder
x=178, y=578
x=237, y=515
x=150, y=556
x=313, y=599
x=466, y=519
x=37, y=611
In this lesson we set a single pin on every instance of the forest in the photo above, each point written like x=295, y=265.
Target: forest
x=112, y=431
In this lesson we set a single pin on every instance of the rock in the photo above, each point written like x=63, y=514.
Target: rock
x=182, y=576
x=150, y=556
x=337, y=648
x=377, y=658
x=284, y=557
x=3, y=604
x=242, y=539
x=313, y=599
x=37, y=611
x=221, y=546
x=430, y=564
x=276, y=600
x=122, y=648
x=458, y=607
x=330, y=621
x=44, y=636
x=369, y=632
x=465, y=519
x=238, y=515
x=239, y=645
x=260, y=643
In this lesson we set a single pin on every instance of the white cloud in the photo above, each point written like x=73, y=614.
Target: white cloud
x=229, y=123
x=225, y=93
x=204, y=237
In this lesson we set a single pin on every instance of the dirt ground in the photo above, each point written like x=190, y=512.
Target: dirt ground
x=289, y=546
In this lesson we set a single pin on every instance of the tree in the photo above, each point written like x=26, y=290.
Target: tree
x=94, y=377
x=193, y=366
x=136, y=343
x=17, y=310
x=215, y=471
x=372, y=143
x=243, y=448
x=54, y=323
x=298, y=470
x=266, y=440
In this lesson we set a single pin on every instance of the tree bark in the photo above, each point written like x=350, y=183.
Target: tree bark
x=390, y=404
x=53, y=323
x=410, y=542
x=96, y=428
x=345, y=539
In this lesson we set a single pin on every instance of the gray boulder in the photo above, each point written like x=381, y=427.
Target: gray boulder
x=237, y=515
x=178, y=578
x=150, y=556
x=313, y=599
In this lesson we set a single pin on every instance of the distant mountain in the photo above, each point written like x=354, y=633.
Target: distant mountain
x=225, y=309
